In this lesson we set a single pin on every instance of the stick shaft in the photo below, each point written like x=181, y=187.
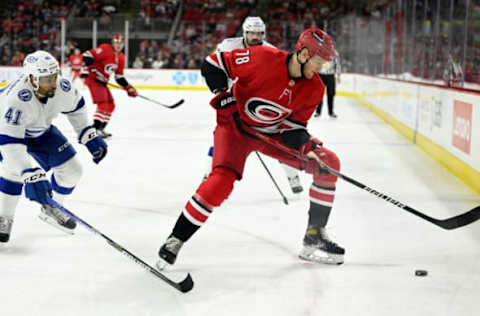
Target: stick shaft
x=183, y=286
x=285, y=200
x=449, y=223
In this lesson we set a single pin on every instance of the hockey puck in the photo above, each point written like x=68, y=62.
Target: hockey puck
x=421, y=273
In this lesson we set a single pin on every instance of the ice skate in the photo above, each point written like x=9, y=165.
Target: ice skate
x=57, y=218
x=295, y=184
x=168, y=252
x=318, y=247
x=103, y=134
x=5, y=228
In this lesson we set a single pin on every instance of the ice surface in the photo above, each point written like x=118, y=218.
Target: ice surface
x=244, y=260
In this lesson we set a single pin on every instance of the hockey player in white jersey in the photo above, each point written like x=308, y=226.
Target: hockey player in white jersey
x=27, y=108
x=253, y=34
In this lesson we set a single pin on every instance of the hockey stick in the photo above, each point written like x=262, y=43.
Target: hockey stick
x=448, y=223
x=183, y=286
x=273, y=180
x=171, y=106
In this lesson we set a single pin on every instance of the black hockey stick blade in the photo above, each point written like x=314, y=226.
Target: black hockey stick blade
x=168, y=106
x=460, y=220
x=171, y=106
x=184, y=286
x=448, y=223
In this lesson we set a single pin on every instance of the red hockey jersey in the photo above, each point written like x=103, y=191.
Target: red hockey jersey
x=75, y=61
x=268, y=99
x=106, y=62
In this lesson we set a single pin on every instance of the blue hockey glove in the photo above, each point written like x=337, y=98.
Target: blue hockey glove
x=95, y=144
x=37, y=187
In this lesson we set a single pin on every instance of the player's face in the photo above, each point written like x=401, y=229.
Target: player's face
x=47, y=85
x=314, y=65
x=118, y=46
x=254, y=38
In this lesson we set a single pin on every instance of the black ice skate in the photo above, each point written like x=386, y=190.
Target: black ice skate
x=101, y=132
x=318, y=247
x=5, y=228
x=57, y=218
x=295, y=184
x=168, y=252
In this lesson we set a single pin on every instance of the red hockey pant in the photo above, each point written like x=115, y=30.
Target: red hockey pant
x=232, y=148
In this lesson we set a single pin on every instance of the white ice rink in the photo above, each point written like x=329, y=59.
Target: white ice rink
x=244, y=260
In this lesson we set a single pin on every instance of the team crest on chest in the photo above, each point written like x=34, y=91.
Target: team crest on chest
x=265, y=111
x=110, y=68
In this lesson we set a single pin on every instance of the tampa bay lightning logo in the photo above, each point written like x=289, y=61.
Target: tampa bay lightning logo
x=31, y=59
x=265, y=112
x=179, y=78
x=25, y=95
x=65, y=85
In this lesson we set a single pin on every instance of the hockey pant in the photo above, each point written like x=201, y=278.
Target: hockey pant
x=232, y=148
x=102, y=97
x=51, y=151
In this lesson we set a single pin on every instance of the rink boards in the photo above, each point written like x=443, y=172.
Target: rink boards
x=443, y=122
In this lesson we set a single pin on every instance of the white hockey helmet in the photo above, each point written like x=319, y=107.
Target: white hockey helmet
x=253, y=24
x=40, y=64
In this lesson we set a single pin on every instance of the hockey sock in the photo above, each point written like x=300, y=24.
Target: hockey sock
x=321, y=201
x=184, y=229
x=97, y=124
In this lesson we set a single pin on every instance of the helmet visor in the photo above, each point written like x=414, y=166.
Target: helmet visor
x=49, y=79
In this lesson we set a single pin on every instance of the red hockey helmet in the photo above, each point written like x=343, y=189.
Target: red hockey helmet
x=118, y=38
x=318, y=43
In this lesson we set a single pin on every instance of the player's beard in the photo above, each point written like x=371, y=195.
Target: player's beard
x=48, y=93
x=255, y=42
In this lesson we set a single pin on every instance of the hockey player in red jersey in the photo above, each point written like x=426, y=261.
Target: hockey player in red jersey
x=100, y=64
x=75, y=61
x=275, y=93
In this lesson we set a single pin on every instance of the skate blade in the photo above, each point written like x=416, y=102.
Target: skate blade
x=297, y=190
x=162, y=265
x=321, y=257
x=47, y=219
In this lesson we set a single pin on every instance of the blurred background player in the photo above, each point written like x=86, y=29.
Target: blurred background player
x=330, y=75
x=75, y=61
x=100, y=63
x=253, y=34
x=289, y=88
x=27, y=108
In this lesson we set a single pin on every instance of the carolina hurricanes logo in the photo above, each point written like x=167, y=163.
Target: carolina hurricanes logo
x=265, y=111
x=110, y=68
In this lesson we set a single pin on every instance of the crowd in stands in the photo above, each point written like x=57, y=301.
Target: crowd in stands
x=360, y=37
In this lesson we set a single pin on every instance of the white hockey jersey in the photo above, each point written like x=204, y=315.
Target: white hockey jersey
x=23, y=116
x=232, y=43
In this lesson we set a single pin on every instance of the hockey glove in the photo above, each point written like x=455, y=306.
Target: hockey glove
x=95, y=144
x=309, y=146
x=37, y=187
x=223, y=100
x=131, y=91
x=84, y=72
x=308, y=151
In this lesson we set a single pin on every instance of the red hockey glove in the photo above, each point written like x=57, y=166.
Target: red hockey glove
x=84, y=72
x=307, y=147
x=223, y=100
x=315, y=158
x=131, y=91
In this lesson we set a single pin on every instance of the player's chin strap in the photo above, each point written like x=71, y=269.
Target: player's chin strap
x=302, y=65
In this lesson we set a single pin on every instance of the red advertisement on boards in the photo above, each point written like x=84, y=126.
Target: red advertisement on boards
x=462, y=126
